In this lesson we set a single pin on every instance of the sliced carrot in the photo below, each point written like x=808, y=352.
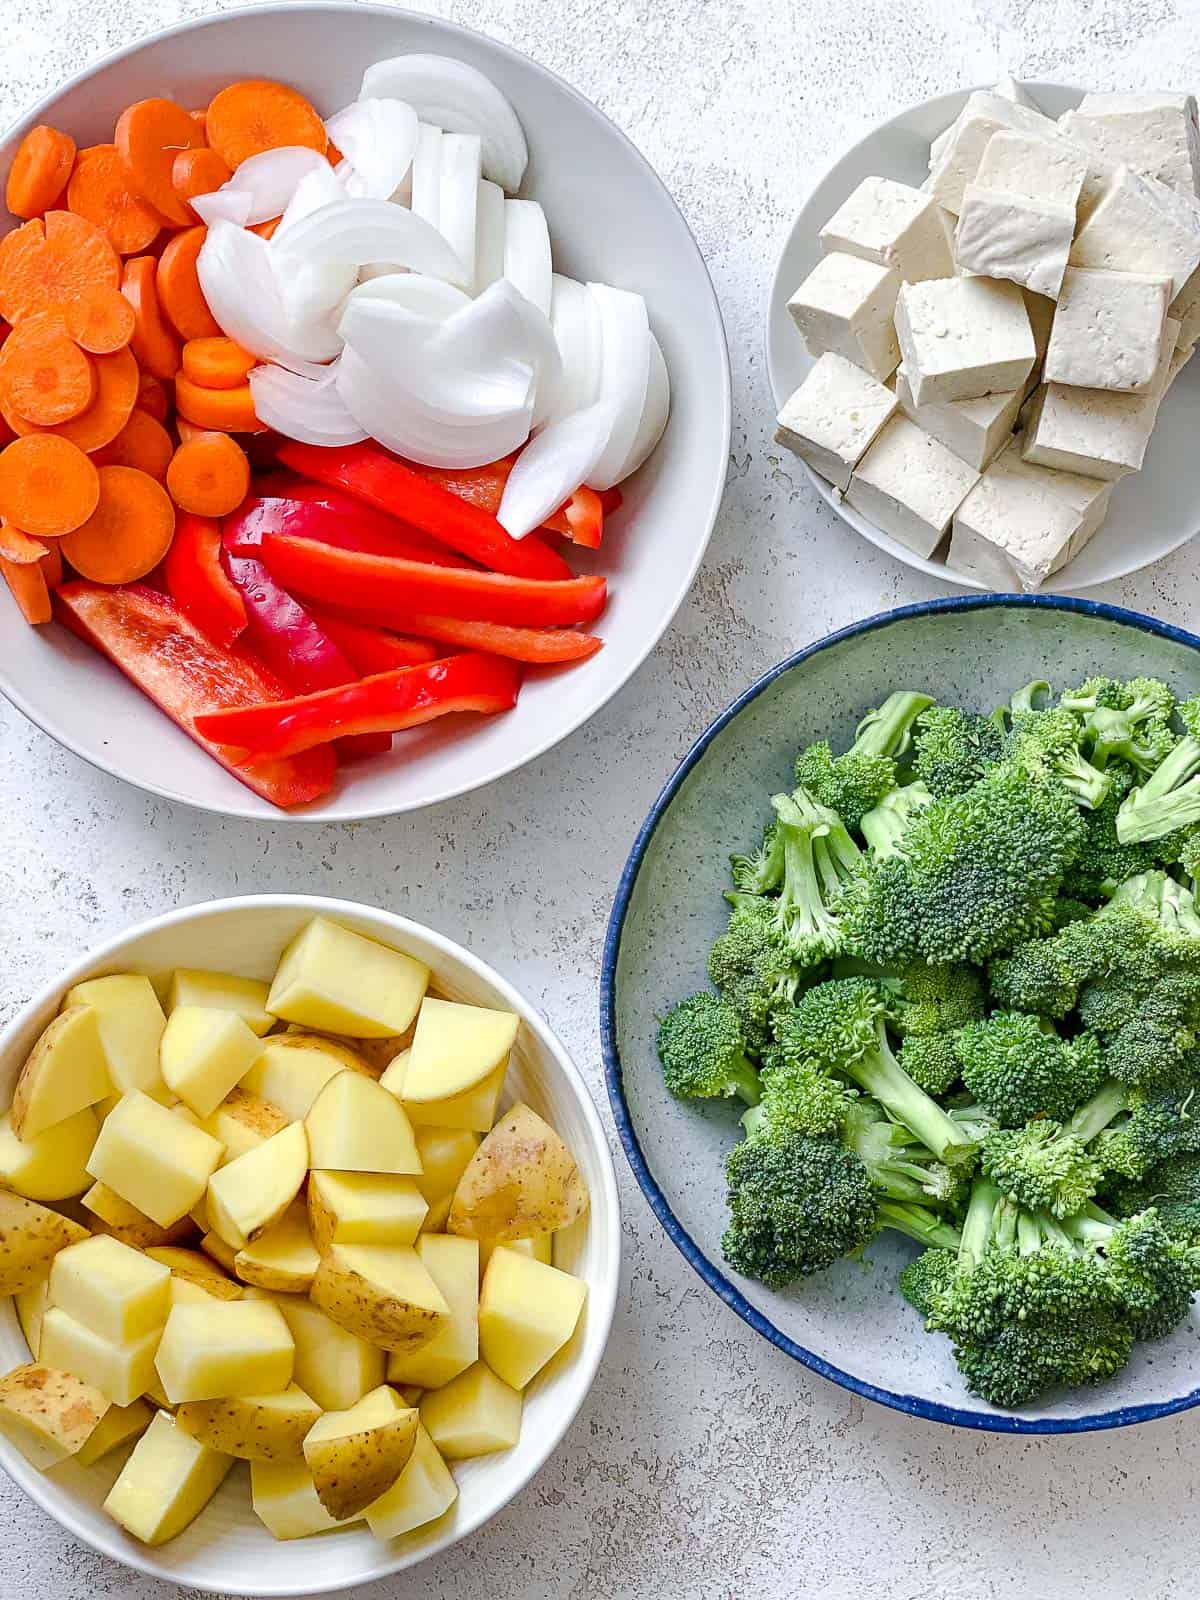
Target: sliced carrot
x=196, y=172
x=39, y=171
x=179, y=291
x=128, y=533
x=152, y=396
x=116, y=391
x=256, y=115
x=51, y=261
x=209, y=475
x=52, y=565
x=188, y=430
x=200, y=117
x=266, y=230
x=226, y=410
x=28, y=586
x=18, y=547
x=100, y=191
x=100, y=321
x=45, y=376
x=217, y=363
x=153, y=343
x=142, y=443
x=48, y=487
x=149, y=135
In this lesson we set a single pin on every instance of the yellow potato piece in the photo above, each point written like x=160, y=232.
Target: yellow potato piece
x=205, y=1054
x=380, y=1292
x=166, y=1483
x=363, y=1208
x=424, y=1490
x=121, y=1370
x=54, y=1165
x=192, y=1271
x=476, y=1414
x=125, y=1222
x=65, y=1072
x=335, y=1367
x=49, y=1415
x=453, y=1264
x=30, y=1305
x=116, y=1427
x=250, y=1195
x=473, y=1110
x=355, y=1455
x=131, y=1026
x=225, y=1255
x=333, y=979
x=286, y=1503
x=242, y=1121
x=223, y=992
x=527, y=1312
x=284, y=1258
x=355, y=1125
x=30, y=1237
x=445, y=1154
x=522, y=1180
x=540, y=1246
x=456, y=1047
x=255, y=1427
x=222, y=1348
x=114, y=1290
x=293, y=1069
x=153, y=1159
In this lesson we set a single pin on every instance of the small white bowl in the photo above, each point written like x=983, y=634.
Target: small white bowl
x=227, y=1550
x=611, y=220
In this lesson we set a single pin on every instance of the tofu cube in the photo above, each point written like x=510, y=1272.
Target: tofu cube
x=1022, y=522
x=205, y=1054
x=1040, y=311
x=847, y=306
x=1108, y=331
x=475, y=1414
x=963, y=337
x=833, y=416
x=527, y=1312
x=224, y=1347
x=975, y=430
x=1010, y=236
x=453, y=1264
x=166, y=1483
x=115, y=1290
x=894, y=225
x=423, y=1491
x=1038, y=168
x=959, y=156
x=1142, y=226
x=224, y=992
x=122, y=1370
x=333, y=979
x=910, y=485
x=131, y=1026
x=156, y=1161
x=1155, y=134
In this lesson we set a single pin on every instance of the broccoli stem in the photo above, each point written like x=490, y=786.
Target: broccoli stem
x=1094, y=1115
x=744, y=1079
x=1169, y=798
x=918, y=1223
x=883, y=828
x=1029, y=1234
x=881, y=1075
x=978, y=1224
x=1024, y=698
x=887, y=731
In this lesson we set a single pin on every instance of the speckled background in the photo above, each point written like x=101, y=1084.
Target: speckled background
x=704, y=1463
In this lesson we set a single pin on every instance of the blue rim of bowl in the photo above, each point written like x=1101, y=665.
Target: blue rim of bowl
x=913, y=1405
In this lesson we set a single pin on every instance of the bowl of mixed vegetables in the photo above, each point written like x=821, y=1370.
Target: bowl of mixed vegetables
x=901, y=1009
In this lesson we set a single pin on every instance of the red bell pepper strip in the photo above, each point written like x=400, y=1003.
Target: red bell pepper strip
x=538, y=646
x=382, y=481
x=389, y=702
x=197, y=580
x=380, y=585
x=287, y=504
x=581, y=520
x=160, y=649
x=369, y=649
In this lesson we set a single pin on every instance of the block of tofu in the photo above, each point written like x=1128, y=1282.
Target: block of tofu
x=895, y=226
x=1033, y=166
x=976, y=430
x=1142, y=226
x=1021, y=522
x=1011, y=236
x=1155, y=134
x=910, y=485
x=118, y=1291
x=1108, y=330
x=1041, y=319
x=1007, y=89
x=833, y=416
x=1178, y=361
x=958, y=158
x=847, y=305
x=963, y=337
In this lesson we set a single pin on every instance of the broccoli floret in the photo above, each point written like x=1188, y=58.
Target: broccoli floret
x=1103, y=862
x=900, y=1166
x=1018, y=1068
x=703, y=1052
x=883, y=827
x=854, y=783
x=1045, y=744
x=1152, y=1046
x=1149, y=1127
x=954, y=749
x=760, y=871
x=797, y=1097
x=1153, y=1275
x=751, y=968
x=1173, y=1189
x=1124, y=721
x=1042, y=1166
x=925, y=1000
x=1022, y=1361
x=1140, y=697
x=932, y=1062
x=819, y=860
x=925, y=1280
x=1169, y=798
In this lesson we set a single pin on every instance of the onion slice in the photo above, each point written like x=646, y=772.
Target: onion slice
x=655, y=413
x=353, y=232
x=423, y=296
x=575, y=319
x=550, y=469
x=320, y=187
x=304, y=409
x=527, y=262
x=238, y=279
x=489, y=235
x=460, y=99
x=271, y=178
x=426, y=198
x=624, y=376
x=222, y=205
x=500, y=326
x=458, y=200
x=377, y=138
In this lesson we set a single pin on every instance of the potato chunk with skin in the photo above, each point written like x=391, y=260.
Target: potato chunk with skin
x=539, y=1245
x=153, y=1159
x=223, y=1348
x=476, y=1414
x=453, y=1265
x=66, y=1071
x=455, y=1047
x=166, y=1483
x=194, y=1277
x=474, y=1109
x=30, y=1237
x=131, y=1024
x=116, y=1427
x=225, y=1255
x=121, y=1370
x=363, y=1208
x=54, y=1165
x=125, y=1222
x=251, y=1194
x=243, y=1121
x=445, y=1154
x=335, y=1367
x=30, y=1305
x=355, y=1455
x=293, y=1069
x=354, y=1125
x=254, y=1427
x=522, y=1180
x=206, y=1053
x=382, y=1293
x=527, y=1312
x=286, y=1503
x=117, y=1291
x=334, y=979
x=284, y=1258
x=424, y=1490
x=49, y=1415
x=223, y=992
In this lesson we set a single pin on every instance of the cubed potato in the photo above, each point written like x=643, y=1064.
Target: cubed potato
x=286, y=1503
x=119, y=1425
x=222, y=1348
x=333, y=979
x=363, y=1208
x=293, y=1069
x=254, y=1427
x=527, y=1312
x=355, y=1125
x=473, y=1110
x=243, y=1121
x=166, y=1483
x=117, y=1291
x=125, y=1222
x=453, y=1264
x=455, y=1047
x=539, y=1245
x=522, y=1180
x=252, y=1193
x=335, y=1367
x=194, y=1276
x=206, y=1053
x=445, y=1154
x=131, y=1025
x=424, y=1490
x=153, y=1159
x=30, y=1305
x=372, y=1055
x=30, y=1237
x=54, y=1165
x=48, y=1414
x=475, y=1414
x=284, y=1258
x=122, y=1370
x=380, y=1292
x=66, y=1071
x=223, y=1254
x=223, y=992
x=355, y=1455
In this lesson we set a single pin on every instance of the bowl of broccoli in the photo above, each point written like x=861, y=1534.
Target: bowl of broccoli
x=901, y=1011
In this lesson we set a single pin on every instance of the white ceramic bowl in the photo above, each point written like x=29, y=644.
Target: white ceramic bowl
x=1150, y=514
x=226, y=1549
x=610, y=219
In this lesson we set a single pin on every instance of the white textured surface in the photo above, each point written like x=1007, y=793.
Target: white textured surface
x=704, y=1462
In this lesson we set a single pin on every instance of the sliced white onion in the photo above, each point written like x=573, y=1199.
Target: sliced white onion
x=238, y=279
x=271, y=178
x=527, y=263
x=222, y=205
x=423, y=296
x=304, y=409
x=320, y=187
x=655, y=413
x=489, y=235
x=501, y=325
x=310, y=291
x=550, y=469
x=427, y=174
x=377, y=138
x=461, y=99
x=353, y=232
x=576, y=322
x=459, y=200
x=624, y=377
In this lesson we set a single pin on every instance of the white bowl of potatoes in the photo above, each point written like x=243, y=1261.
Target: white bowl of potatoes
x=278, y=1173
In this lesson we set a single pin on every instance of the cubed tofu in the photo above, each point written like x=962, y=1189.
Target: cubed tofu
x=250, y=1195
x=473, y=1110
x=224, y=1347
x=1155, y=134
x=1030, y=165
x=1143, y=227
x=31, y=1235
x=453, y=1264
x=336, y=1367
x=909, y=485
x=833, y=417
x=959, y=155
x=156, y=1161
x=118, y=1426
x=166, y=1483
x=975, y=430
x=253, y=1427
x=206, y=1053
x=356, y=1125
x=847, y=306
x=356, y=1455
x=30, y=1305
x=527, y=1312
x=48, y=1414
x=1108, y=331
x=1022, y=522
x=894, y=225
x=286, y=1503
x=223, y=992
x=293, y=1069
x=126, y=1223
x=455, y=1047
x=364, y=1208
x=445, y=1155
x=118, y=1292
x=963, y=337
x=475, y=1414
x=66, y=1071
x=1040, y=311
x=242, y=1121
x=332, y=978
x=1014, y=238
x=131, y=1025
x=424, y=1490
x=54, y=1165
x=121, y=1370
x=382, y=1293
x=284, y=1258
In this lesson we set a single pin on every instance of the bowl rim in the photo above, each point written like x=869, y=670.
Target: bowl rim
x=58, y=1503
x=713, y=1276
x=541, y=745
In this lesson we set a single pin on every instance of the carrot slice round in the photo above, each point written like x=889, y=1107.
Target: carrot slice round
x=100, y=321
x=152, y=396
x=100, y=191
x=217, y=363
x=39, y=171
x=142, y=443
x=45, y=376
x=18, y=547
x=149, y=135
x=226, y=410
x=48, y=487
x=116, y=391
x=196, y=172
x=51, y=261
x=153, y=343
x=52, y=565
x=128, y=532
x=258, y=114
x=209, y=475
x=200, y=117
x=178, y=285
x=27, y=584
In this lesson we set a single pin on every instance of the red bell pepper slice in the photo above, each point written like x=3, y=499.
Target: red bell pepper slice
x=284, y=503
x=380, y=585
x=197, y=580
x=581, y=519
x=537, y=646
x=160, y=649
x=382, y=481
x=369, y=649
x=388, y=703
